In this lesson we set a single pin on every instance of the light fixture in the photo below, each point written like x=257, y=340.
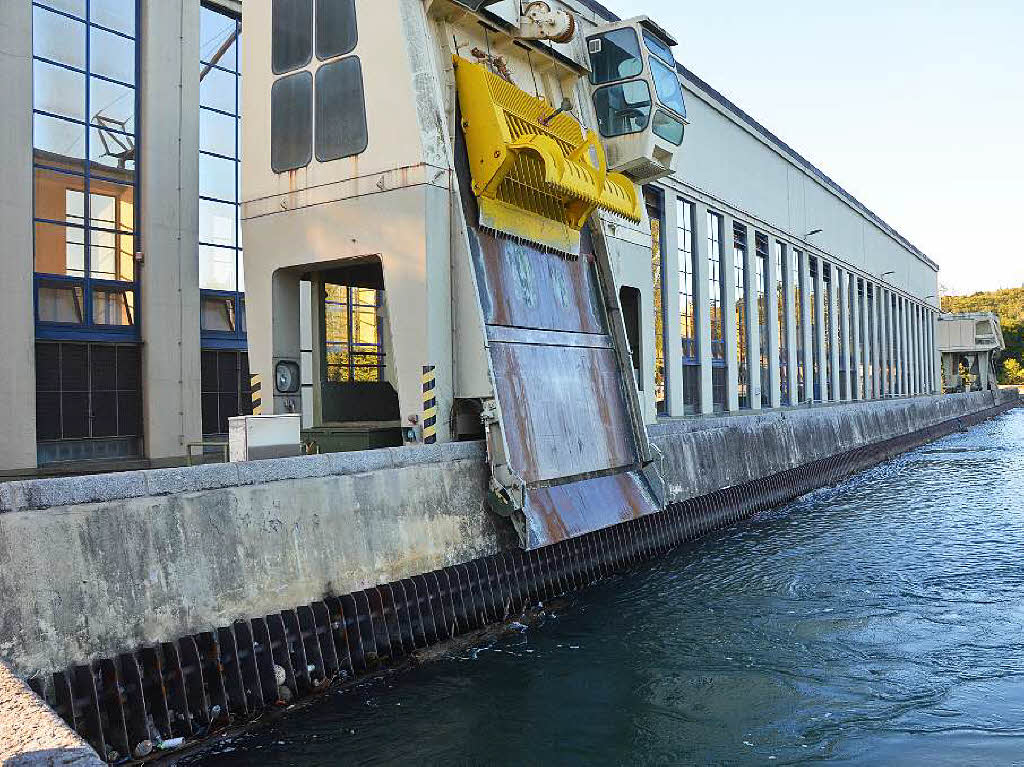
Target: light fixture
x=883, y=274
x=813, y=232
x=287, y=379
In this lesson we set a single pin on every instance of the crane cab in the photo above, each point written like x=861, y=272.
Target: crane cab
x=639, y=103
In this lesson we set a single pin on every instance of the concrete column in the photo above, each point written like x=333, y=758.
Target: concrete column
x=729, y=329
x=870, y=331
x=821, y=380
x=702, y=304
x=753, y=319
x=169, y=120
x=833, y=297
x=790, y=275
x=857, y=320
x=901, y=347
x=846, y=325
x=776, y=268
x=807, y=309
x=670, y=306
x=918, y=367
x=878, y=338
x=17, y=313
x=885, y=318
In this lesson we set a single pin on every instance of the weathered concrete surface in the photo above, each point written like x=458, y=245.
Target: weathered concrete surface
x=187, y=550
x=90, y=567
x=706, y=454
x=32, y=735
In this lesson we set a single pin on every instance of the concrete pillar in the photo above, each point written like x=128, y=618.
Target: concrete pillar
x=169, y=116
x=729, y=329
x=885, y=317
x=807, y=309
x=846, y=325
x=670, y=307
x=17, y=312
x=791, y=275
x=821, y=380
x=776, y=271
x=870, y=343
x=856, y=334
x=918, y=367
x=702, y=306
x=834, y=312
x=901, y=347
x=753, y=319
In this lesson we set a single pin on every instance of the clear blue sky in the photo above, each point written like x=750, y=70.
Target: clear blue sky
x=916, y=108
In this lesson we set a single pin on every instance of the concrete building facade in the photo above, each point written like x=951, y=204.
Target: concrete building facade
x=126, y=334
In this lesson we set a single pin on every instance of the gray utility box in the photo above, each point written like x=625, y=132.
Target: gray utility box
x=253, y=437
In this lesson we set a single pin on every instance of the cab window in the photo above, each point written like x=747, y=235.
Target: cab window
x=614, y=55
x=667, y=127
x=666, y=83
x=659, y=49
x=623, y=108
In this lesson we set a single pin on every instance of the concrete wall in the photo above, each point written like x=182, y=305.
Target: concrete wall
x=17, y=341
x=90, y=567
x=93, y=566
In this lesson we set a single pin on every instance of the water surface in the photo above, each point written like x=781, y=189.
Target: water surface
x=878, y=622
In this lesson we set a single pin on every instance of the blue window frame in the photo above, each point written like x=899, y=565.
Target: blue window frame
x=221, y=274
x=85, y=166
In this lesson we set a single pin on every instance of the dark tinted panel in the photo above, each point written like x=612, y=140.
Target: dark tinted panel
x=75, y=367
x=227, y=372
x=291, y=122
x=128, y=414
x=128, y=368
x=75, y=407
x=103, y=371
x=209, y=371
x=47, y=415
x=335, y=28
x=340, y=111
x=292, y=29
x=211, y=423
x=47, y=367
x=104, y=414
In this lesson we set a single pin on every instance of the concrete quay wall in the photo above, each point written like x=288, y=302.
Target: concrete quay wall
x=94, y=566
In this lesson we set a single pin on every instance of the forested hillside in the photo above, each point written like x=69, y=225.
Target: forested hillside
x=1009, y=305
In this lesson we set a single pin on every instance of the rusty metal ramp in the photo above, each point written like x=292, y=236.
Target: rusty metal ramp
x=569, y=440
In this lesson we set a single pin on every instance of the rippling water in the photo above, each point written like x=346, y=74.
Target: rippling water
x=878, y=622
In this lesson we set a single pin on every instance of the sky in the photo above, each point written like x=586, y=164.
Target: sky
x=916, y=108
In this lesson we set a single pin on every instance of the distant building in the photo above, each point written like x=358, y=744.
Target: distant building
x=970, y=344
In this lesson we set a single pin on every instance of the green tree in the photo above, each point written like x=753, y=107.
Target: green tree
x=1013, y=372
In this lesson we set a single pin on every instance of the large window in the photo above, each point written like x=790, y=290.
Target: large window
x=739, y=257
x=782, y=300
x=761, y=269
x=225, y=389
x=872, y=340
x=221, y=276
x=717, y=301
x=798, y=324
x=653, y=199
x=827, y=391
x=687, y=307
x=84, y=157
x=335, y=104
x=842, y=340
x=352, y=334
x=812, y=299
x=614, y=56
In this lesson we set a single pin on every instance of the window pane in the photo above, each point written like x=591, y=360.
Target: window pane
x=217, y=90
x=113, y=205
x=113, y=307
x=666, y=83
x=658, y=48
x=58, y=38
x=114, y=150
x=669, y=128
x=216, y=133
x=215, y=30
x=76, y=7
x=111, y=56
x=115, y=14
x=58, y=141
x=103, y=255
x=218, y=314
x=623, y=108
x=59, y=196
x=217, y=177
x=292, y=34
x=58, y=90
x=336, y=30
x=340, y=111
x=217, y=223
x=59, y=249
x=59, y=303
x=614, y=55
x=291, y=122
x=111, y=105
x=217, y=268
x=241, y=281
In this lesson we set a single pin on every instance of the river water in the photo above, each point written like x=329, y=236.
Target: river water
x=878, y=622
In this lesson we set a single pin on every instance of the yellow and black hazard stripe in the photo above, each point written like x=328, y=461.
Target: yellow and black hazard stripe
x=429, y=406
x=256, y=391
